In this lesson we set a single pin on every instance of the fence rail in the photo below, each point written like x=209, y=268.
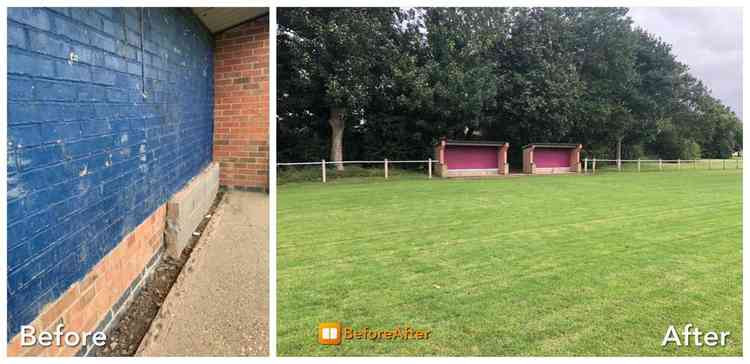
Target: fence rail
x=661, y=164
x=385, y=162
x=353, y=162
x=589, y=165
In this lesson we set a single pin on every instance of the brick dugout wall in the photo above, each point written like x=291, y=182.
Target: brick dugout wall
x=102, y=130
x=241, y=109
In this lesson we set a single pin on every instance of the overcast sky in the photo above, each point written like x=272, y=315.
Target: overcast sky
x=709, y=40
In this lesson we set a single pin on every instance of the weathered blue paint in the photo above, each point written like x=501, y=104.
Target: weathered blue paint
x=91, y=152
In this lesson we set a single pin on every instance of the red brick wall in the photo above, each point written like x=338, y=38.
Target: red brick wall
x=241, y=105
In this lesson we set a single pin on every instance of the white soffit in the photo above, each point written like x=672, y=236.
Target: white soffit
x=220, y=19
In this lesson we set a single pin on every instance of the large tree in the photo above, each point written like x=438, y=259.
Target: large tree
x=537, y=80
x=339, y=59
x=388, y=83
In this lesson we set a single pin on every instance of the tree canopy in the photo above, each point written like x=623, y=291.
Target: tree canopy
x=373, y=83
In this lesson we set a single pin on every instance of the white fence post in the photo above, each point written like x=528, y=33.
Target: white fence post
x=660, y=165
x=593, y=167
x=639, y=164
x=429, y=168
x=585, y=165
x=386, y=168
x=323, y=169
x=678, y=165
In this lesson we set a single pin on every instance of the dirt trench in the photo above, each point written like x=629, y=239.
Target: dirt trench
x=129, y=328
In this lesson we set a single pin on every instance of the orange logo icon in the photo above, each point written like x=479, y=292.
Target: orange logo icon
x=329, y=333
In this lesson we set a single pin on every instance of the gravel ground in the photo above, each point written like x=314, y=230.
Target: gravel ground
x=124, y=338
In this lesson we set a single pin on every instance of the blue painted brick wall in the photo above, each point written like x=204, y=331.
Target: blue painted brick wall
x=92, y=151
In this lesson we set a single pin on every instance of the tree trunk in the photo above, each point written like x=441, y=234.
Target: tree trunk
x=336, y=120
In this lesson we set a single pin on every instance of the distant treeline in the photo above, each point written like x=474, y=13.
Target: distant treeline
x=377, y=83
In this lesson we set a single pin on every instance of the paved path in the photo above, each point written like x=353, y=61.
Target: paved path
x=219, y=303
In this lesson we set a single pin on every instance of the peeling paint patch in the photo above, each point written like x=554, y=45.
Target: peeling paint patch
x=23, y=161
x=83, y=185
x=84, y=253
x=72, y=58
x=17, y=190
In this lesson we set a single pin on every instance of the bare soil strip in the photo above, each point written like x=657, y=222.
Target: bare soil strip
x=131, y=326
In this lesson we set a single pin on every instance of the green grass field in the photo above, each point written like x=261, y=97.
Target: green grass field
x=543, y=265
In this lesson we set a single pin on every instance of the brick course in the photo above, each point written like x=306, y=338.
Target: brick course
x=241, y=105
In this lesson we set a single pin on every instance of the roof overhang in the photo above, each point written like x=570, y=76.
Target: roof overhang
x=218, y=20
x=552, y=145
x=476, y=143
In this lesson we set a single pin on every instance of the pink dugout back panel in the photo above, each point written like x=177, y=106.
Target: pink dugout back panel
x=471, y=157
x=552, y=157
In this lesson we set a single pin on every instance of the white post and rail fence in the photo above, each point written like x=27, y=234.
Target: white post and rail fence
x=660, y=164
x=590, y=165
x=386, y=165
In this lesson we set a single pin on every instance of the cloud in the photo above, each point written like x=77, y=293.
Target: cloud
x=708, y=40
